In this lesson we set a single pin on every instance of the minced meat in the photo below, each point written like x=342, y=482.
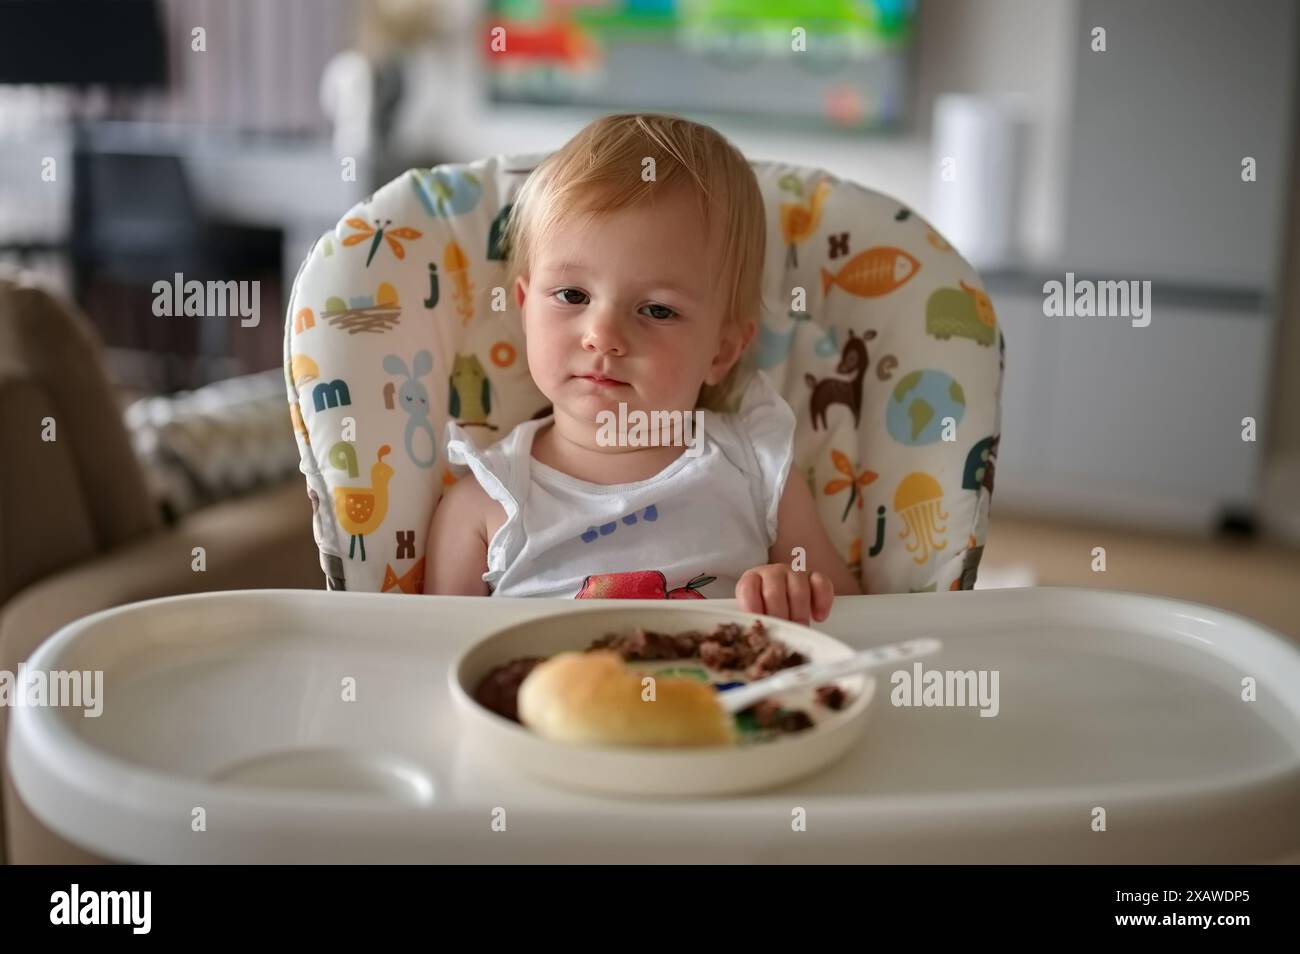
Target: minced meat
x=768, y=714
x=499, y=689
x=832, y=697
x=728, y=646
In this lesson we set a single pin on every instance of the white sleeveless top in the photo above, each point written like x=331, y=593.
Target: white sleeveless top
x=689, y=532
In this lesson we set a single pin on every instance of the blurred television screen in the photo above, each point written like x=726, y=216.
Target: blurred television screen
x=802, y=63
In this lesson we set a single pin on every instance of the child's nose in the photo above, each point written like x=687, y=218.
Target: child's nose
x=604, y=331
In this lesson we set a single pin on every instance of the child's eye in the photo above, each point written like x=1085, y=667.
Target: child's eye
x=660, y=312
x=564, y=295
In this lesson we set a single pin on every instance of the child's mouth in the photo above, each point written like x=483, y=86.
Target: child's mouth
x=601, y=381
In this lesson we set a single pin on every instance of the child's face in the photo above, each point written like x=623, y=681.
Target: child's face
x=631, y=295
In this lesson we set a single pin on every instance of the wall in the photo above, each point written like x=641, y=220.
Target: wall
x=1020, y=46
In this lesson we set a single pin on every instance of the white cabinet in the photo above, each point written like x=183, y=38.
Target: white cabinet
x=1107, y=421
x=1162, y=405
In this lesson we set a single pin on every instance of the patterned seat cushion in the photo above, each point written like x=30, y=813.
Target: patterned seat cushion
x=875, y=329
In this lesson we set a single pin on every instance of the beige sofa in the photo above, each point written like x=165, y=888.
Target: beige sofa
x=79, y=531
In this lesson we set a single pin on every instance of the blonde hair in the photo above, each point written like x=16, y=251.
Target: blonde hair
x=600, y=170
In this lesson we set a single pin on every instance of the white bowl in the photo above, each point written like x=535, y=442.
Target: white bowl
x=625, y=770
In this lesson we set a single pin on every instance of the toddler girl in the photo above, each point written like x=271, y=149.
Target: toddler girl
x=636, y=256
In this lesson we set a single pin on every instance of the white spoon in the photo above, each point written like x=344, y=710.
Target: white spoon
x=814, y=674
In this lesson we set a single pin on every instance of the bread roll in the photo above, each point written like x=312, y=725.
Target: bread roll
x=594, y=699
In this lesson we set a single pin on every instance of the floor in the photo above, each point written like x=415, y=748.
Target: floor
x=1260, y=580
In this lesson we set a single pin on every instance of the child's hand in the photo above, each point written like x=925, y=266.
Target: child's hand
x=777, y=590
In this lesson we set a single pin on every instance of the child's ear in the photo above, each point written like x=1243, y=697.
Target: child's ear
x=521, y=290
x=746, y=336
x=734, y=342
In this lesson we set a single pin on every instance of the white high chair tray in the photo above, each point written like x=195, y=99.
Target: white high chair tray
x=1107, y=701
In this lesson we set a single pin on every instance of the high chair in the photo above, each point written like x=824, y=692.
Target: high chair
x=301, y=742
x=874, y=328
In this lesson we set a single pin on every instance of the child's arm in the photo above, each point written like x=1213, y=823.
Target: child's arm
x=799, y=525
x=456, y=555
x=777, y=589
